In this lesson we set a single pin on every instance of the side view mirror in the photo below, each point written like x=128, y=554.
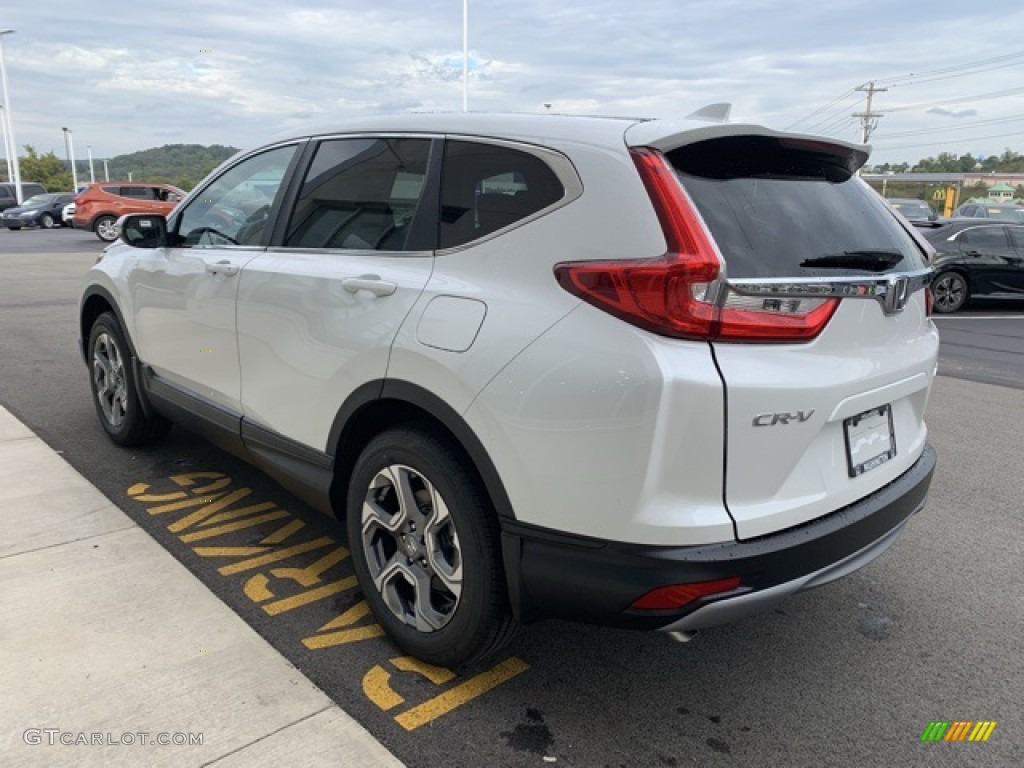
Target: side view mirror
x=143, y=230
x=933, y=216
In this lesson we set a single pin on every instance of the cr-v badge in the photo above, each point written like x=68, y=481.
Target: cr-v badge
x=771, y=419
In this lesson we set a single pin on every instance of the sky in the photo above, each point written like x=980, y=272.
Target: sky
x=130, y=76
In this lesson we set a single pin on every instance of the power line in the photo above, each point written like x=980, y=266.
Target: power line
x=921, y=81
x=959, y=100
x=962, y=126
x=820, y=109
x=952, y=68
x=943, y=143
x=834, y=114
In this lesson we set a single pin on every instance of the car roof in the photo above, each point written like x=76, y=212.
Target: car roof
x=945, y=227
x=548, y=128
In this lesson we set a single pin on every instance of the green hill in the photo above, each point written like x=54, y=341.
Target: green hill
x=182, y=165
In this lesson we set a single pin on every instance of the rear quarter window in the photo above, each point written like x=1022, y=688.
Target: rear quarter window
x=774, y=208
x=486, y=187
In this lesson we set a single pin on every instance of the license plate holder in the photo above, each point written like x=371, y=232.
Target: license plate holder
x=870, y=440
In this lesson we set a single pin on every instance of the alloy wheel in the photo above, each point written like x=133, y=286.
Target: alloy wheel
x=109, y=377
x=949, y=292
x=412, y=548
x=107, y=229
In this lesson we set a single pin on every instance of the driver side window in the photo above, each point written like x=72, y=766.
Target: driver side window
x=235, y=208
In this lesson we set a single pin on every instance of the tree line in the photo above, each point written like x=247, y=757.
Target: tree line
x=948, y=162
x=183, y=165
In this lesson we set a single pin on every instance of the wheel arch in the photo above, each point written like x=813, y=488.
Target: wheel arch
x=378, y=405
x=95, y=301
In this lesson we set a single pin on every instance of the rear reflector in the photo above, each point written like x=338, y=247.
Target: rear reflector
x=668, y=295
x=678, y=595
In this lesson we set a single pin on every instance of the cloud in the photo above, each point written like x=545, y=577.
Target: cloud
x=235, y=72
x=950, y=113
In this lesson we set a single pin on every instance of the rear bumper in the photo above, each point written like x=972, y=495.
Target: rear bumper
x=552, y=574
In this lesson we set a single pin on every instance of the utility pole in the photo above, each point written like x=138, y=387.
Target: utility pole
x=868, y=119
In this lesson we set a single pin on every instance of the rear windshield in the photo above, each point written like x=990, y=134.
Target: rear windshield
x=791, y=210
x=1005, y=214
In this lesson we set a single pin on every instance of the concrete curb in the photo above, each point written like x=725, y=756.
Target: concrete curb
x=109, y=645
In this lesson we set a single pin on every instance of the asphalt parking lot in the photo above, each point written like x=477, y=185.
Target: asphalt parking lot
x=850, y=674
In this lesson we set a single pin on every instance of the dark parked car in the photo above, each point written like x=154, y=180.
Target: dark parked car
x=28, y=189
x=1001, y=211
x=38, y=211
x=912, y=209
x=975, y=258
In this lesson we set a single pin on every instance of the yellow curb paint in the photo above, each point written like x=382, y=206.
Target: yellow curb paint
x=460, y=694
x=210, y=533
x=273, y=557
x=305, y=598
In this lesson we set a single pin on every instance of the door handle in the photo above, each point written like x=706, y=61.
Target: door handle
x=371, y=283
x=224, y=267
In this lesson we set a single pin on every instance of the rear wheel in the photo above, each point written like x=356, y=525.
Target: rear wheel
x=425, y=548
x=46, y=221
x=105, y=229
x=949, y=292
x=113, y=387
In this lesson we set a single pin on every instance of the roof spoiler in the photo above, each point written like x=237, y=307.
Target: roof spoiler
x=712, y=113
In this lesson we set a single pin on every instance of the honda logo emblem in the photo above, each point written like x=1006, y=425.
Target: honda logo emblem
x=896, y=295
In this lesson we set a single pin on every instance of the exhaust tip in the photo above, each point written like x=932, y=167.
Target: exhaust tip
x=681, y=637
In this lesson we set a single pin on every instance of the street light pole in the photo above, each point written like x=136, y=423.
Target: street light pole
x=465, y=55
x=106, y=171
x=92, y=175
x=69, y=145
x=8, y=153
x=9, y=120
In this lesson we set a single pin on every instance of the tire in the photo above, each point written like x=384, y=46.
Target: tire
x=113, y=385
x=46, y=221
x=434, y=581
x=104, y=228
x=14, y=229
x=949, y=292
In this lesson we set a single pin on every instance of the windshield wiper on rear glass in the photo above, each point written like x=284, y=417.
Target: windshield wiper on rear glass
x=868, y=260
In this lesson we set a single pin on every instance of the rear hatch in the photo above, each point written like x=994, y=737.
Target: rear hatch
x=824, y=347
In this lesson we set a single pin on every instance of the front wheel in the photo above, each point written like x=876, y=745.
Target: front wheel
x=424, y=539
x=113, y=387
x=949, y=292
x=105, y=229
x=46, y=221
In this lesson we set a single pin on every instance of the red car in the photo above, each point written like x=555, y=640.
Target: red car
x=100, y=205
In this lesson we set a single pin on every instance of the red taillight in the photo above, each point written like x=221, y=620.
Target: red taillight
x=678, y=595
x=928, y=301
x=666, y=295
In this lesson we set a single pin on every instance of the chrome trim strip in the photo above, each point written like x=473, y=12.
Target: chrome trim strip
x=890, y=290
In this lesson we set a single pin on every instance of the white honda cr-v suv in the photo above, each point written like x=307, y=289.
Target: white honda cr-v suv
x=650, y=374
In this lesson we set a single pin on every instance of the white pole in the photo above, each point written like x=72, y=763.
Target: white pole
x=106, y=171
x=92, y=174
x=71, y=151
x=129, y=175
x=465, y=55
x=9, y=118
x=8, y=153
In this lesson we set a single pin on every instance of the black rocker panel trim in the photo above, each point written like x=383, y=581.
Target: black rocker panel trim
x=220, y=426
x=305, y=472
